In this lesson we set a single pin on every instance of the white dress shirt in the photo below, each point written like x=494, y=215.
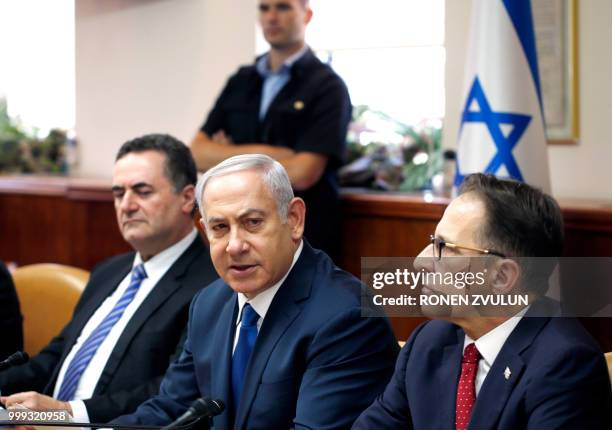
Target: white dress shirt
x=155, y=267
x=490, y=344
x=262, y=301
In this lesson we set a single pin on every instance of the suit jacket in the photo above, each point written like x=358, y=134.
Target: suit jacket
x=316, y=362
x=144, y=350
x=10, y=316
x=558, y=380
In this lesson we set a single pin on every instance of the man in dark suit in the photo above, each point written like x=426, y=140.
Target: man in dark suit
x=11, y=330
x=292, y=107
x=519, y=368
x=280, y=339
x=130, y=319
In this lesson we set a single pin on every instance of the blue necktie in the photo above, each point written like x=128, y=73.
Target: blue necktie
x=244, y=347
x=81, y=359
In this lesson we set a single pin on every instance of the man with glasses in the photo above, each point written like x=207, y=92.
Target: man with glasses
x=508, y=371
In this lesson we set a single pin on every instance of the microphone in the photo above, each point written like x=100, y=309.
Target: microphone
x=18, y=357
x=201, y=408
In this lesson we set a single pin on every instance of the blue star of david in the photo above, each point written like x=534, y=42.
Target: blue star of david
x=493, y=121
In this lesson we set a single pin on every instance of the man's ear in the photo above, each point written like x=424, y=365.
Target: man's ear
x=188, y=199
x=308, y=14
x=505, y=276
x=295, y=217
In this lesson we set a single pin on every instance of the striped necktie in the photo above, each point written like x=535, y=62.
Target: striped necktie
x=88, y=349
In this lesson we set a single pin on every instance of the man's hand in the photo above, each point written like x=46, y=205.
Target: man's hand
x=34, y=401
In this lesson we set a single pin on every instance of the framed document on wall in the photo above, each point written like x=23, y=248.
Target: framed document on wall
x=555, y=23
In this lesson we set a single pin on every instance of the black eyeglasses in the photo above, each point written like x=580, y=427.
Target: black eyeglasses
x=439, y=244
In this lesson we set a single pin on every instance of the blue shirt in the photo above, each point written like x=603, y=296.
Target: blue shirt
x=273, y=82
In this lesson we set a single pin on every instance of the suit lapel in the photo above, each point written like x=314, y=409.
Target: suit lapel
x=223, y=340
x=284, y=309
x=102, y=291
x=505, y=373
x=496, y=389
x=166, y=286
x=448, y=376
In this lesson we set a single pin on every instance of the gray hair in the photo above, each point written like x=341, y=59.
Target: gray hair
x=274, y=177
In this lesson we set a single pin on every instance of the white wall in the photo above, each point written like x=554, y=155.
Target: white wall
x=147, y=66
x=37, y=62
x=157, y=66
x=577, y=171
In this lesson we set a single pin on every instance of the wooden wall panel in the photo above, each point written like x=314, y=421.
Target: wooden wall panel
x=57, y=220
x=35, y=228
x=95, y=219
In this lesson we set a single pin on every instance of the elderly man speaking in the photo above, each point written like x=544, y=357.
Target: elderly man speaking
x=280, y=338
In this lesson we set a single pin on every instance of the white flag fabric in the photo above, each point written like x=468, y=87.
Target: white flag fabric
x=502, y=126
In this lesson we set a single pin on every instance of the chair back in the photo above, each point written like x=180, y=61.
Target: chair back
x=47, y=294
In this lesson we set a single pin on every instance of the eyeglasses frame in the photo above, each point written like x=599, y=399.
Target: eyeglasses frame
x=443, y=243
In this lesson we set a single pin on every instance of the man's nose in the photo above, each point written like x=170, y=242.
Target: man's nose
x=236, y=244
x=128, y=202
x=425, y=259
x=270, y=15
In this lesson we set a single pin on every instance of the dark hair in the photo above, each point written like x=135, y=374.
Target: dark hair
x=521, y=221
x=179, y=168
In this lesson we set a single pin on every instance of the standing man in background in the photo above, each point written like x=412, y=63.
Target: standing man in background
x=290, y=106
x=10, y=316
x=130, y=319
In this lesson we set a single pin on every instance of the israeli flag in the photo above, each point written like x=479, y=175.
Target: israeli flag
x=502, y=126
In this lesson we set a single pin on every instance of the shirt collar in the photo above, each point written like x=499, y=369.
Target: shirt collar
x=157, y=265
x=490, y=344
x=262, y=301
x=263, y=68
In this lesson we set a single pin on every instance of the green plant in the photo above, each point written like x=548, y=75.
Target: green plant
x=387, y=154
x=21, y=151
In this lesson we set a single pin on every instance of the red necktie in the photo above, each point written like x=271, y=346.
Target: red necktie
x=466, y=390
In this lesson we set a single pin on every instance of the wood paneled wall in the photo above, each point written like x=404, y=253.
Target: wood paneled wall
x=57, y=220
